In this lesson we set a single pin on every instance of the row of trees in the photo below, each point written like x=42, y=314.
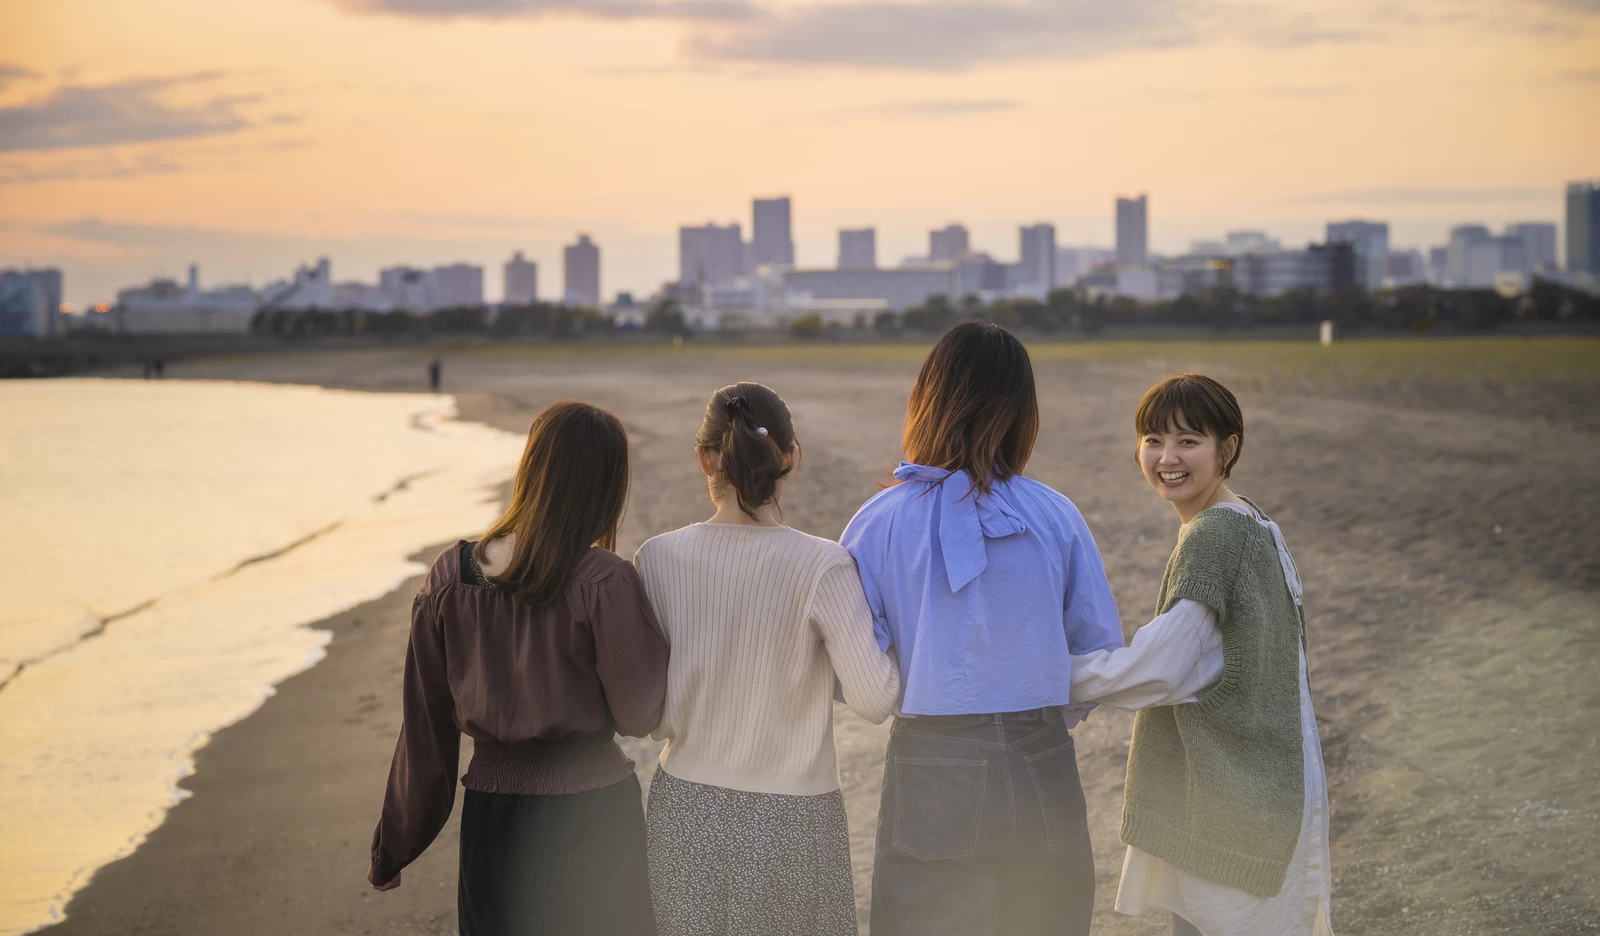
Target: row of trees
x=540, y=319
x=1413, y=308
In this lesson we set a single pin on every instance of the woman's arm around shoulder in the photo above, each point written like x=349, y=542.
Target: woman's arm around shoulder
x=630, y=651
x=869, y=676
x=1171, y=661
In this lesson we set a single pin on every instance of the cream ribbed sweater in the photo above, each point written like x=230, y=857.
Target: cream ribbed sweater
x=760, y=620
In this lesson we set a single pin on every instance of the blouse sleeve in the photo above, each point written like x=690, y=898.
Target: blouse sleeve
x=868, y=676
x=422, y=776
x=868, y=547
x=630, y=653
x=1171, y=661
x=1088, y=610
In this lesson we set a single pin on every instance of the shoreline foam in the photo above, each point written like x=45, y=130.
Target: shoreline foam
x=101, y=731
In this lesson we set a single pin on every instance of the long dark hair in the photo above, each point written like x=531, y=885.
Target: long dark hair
x=974, y=407
x=749, y=426
x=570, y=492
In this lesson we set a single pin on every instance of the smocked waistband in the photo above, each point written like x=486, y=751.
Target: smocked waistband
x=540, y=768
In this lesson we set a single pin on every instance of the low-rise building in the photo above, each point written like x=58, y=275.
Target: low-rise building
x=165, y=307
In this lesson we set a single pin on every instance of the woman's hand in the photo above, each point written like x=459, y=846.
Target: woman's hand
x=389, y=886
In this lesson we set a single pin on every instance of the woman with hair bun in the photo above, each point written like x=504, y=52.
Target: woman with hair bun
x=746, y=827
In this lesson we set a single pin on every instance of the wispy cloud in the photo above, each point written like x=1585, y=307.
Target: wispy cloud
x=72, y=170
x=935, y=108
x=687, y=10
x=1270, y=91
x=131, y=111
x=945, y=36
x=10, y=73
x=1588, y=75
x=1402, y=195
x=933, y=35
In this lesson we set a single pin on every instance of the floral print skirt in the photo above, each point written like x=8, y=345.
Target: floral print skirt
x=732, y=863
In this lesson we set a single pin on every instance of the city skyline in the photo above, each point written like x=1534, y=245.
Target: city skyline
x=139, y=138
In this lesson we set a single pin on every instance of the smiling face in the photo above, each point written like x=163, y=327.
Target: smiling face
x=1190, y=434
x=1183, y=464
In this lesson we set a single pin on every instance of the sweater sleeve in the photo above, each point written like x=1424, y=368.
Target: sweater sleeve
x=869, y=676
x=1171, y=661
x=630, y=653
x=422, y=776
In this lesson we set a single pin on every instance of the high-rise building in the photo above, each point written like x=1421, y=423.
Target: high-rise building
x=771, y=232
x=456, y=285
x=1539, y=239
x=948, y=243
x=581, y=263
x=1583, y=227
x=24, y=307
x=710, y=255
x=858, y=249
x=1038, y=251
x=1463, y=238
x=1133, y=231
x=521, y=280
x=1370, y=239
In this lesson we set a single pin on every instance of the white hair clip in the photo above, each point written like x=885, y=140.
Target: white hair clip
x=762, y=430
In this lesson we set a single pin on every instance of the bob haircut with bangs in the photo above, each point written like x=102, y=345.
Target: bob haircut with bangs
x=1192, y=403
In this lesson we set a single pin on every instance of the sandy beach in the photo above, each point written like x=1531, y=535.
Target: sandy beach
x=1439, y=499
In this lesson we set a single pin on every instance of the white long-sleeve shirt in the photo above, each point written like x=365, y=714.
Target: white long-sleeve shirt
x=1172, y=661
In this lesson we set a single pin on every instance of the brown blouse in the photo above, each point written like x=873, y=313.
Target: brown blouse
x=541, y=691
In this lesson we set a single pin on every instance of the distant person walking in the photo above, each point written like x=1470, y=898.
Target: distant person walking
x=1226, y=802
x=435, y=372
x=539, y=642
x=747, y=826
x=986, y=583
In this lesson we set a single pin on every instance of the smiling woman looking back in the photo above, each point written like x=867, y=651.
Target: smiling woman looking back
x=538, y=642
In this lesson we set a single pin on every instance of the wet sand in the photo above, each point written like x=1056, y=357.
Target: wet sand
x=1444, y=524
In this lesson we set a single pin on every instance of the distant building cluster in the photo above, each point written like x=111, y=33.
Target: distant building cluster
x=726, y=280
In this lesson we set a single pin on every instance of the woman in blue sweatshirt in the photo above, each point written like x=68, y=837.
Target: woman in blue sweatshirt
x=986, y=583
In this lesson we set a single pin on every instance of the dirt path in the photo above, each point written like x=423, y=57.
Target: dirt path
x=1452, y=576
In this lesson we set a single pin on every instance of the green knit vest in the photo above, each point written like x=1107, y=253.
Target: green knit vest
x=1217, y=787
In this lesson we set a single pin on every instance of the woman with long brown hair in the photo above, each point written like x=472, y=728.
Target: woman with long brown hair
x=986, y=583
x=747, y=826
x=539, y=642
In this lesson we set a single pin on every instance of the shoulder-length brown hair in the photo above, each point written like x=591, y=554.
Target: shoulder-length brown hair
x=974, y=407
x=570, y=492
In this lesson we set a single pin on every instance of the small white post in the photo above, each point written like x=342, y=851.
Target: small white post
x=1327, y=332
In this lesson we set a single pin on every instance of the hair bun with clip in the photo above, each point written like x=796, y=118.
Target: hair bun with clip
x=739, y=408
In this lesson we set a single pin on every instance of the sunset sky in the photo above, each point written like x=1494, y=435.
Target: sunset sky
x=137, y=136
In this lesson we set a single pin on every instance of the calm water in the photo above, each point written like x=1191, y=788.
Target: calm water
x=164, y=547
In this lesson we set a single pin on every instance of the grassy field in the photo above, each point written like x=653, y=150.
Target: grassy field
x=1361, y=361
